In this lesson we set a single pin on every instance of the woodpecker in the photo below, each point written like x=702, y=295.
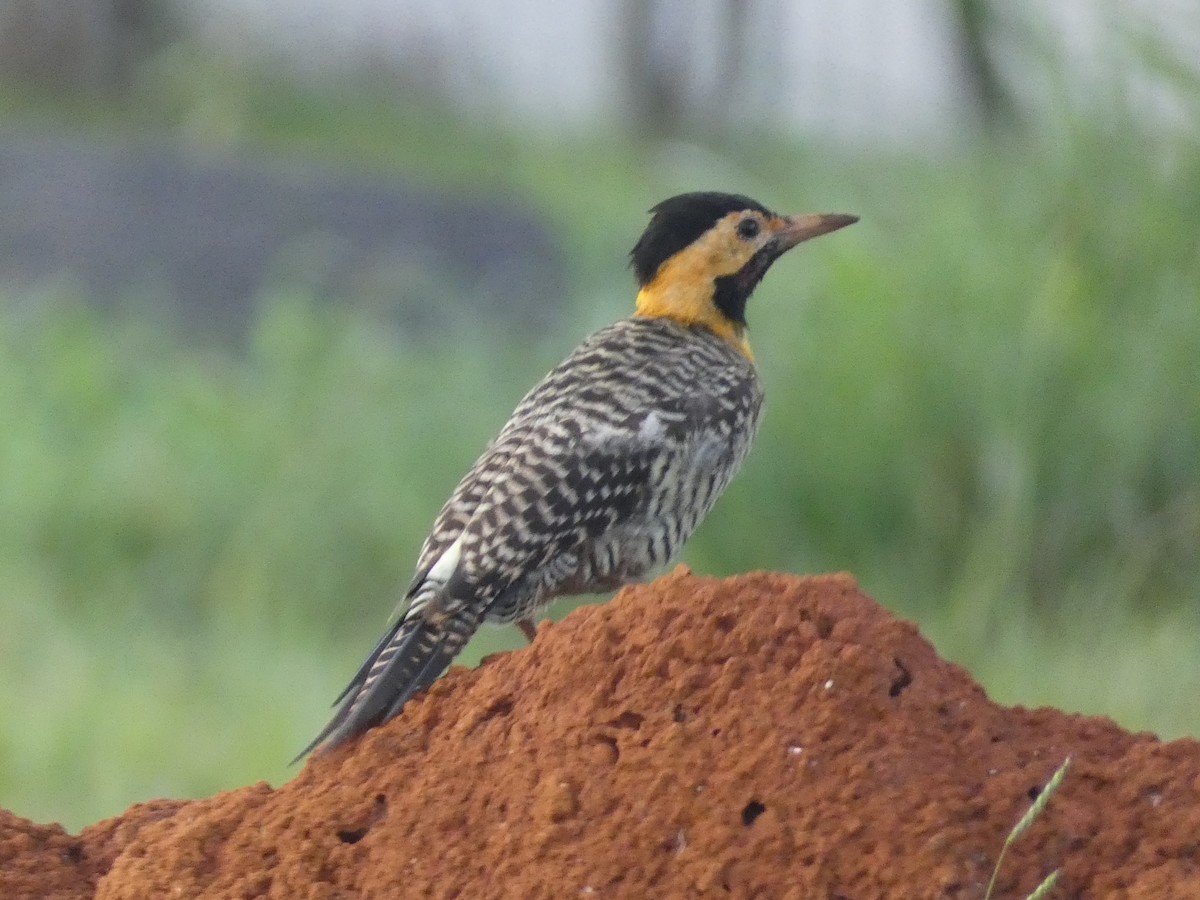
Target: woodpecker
x=608, y=465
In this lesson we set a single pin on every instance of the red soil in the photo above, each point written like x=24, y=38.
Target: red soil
x=764, y=736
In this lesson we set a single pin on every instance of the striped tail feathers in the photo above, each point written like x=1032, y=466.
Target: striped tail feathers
x=420, y=586
x=417, y=651
x=407, y=660
x=341, y=725
x=361, y=675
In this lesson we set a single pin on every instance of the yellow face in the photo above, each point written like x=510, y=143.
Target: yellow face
x=684, y=288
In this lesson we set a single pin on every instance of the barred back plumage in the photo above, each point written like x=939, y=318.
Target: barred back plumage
x=604, y=469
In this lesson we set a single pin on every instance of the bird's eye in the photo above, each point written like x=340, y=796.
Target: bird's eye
x=748, y=228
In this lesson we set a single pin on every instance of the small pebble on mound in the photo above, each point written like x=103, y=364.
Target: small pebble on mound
x=761, y=736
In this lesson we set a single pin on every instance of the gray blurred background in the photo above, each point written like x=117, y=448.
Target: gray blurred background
x=926, y=76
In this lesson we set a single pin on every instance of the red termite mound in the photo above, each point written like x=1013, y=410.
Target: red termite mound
x=762, y=736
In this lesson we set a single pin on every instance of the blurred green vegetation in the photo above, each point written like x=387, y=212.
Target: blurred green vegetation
x=984, y=400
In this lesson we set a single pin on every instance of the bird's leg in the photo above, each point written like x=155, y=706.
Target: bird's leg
x=527, y=628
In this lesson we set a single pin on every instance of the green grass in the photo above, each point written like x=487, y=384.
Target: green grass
x=983, y=400
x=1036, y=809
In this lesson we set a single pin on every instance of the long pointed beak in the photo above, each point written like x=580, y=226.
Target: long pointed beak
x=801, y=228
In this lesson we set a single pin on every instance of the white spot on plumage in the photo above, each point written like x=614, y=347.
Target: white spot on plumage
x=446, y=564
x=652, y=429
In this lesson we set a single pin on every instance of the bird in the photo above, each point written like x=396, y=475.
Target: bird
x=607, y=465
